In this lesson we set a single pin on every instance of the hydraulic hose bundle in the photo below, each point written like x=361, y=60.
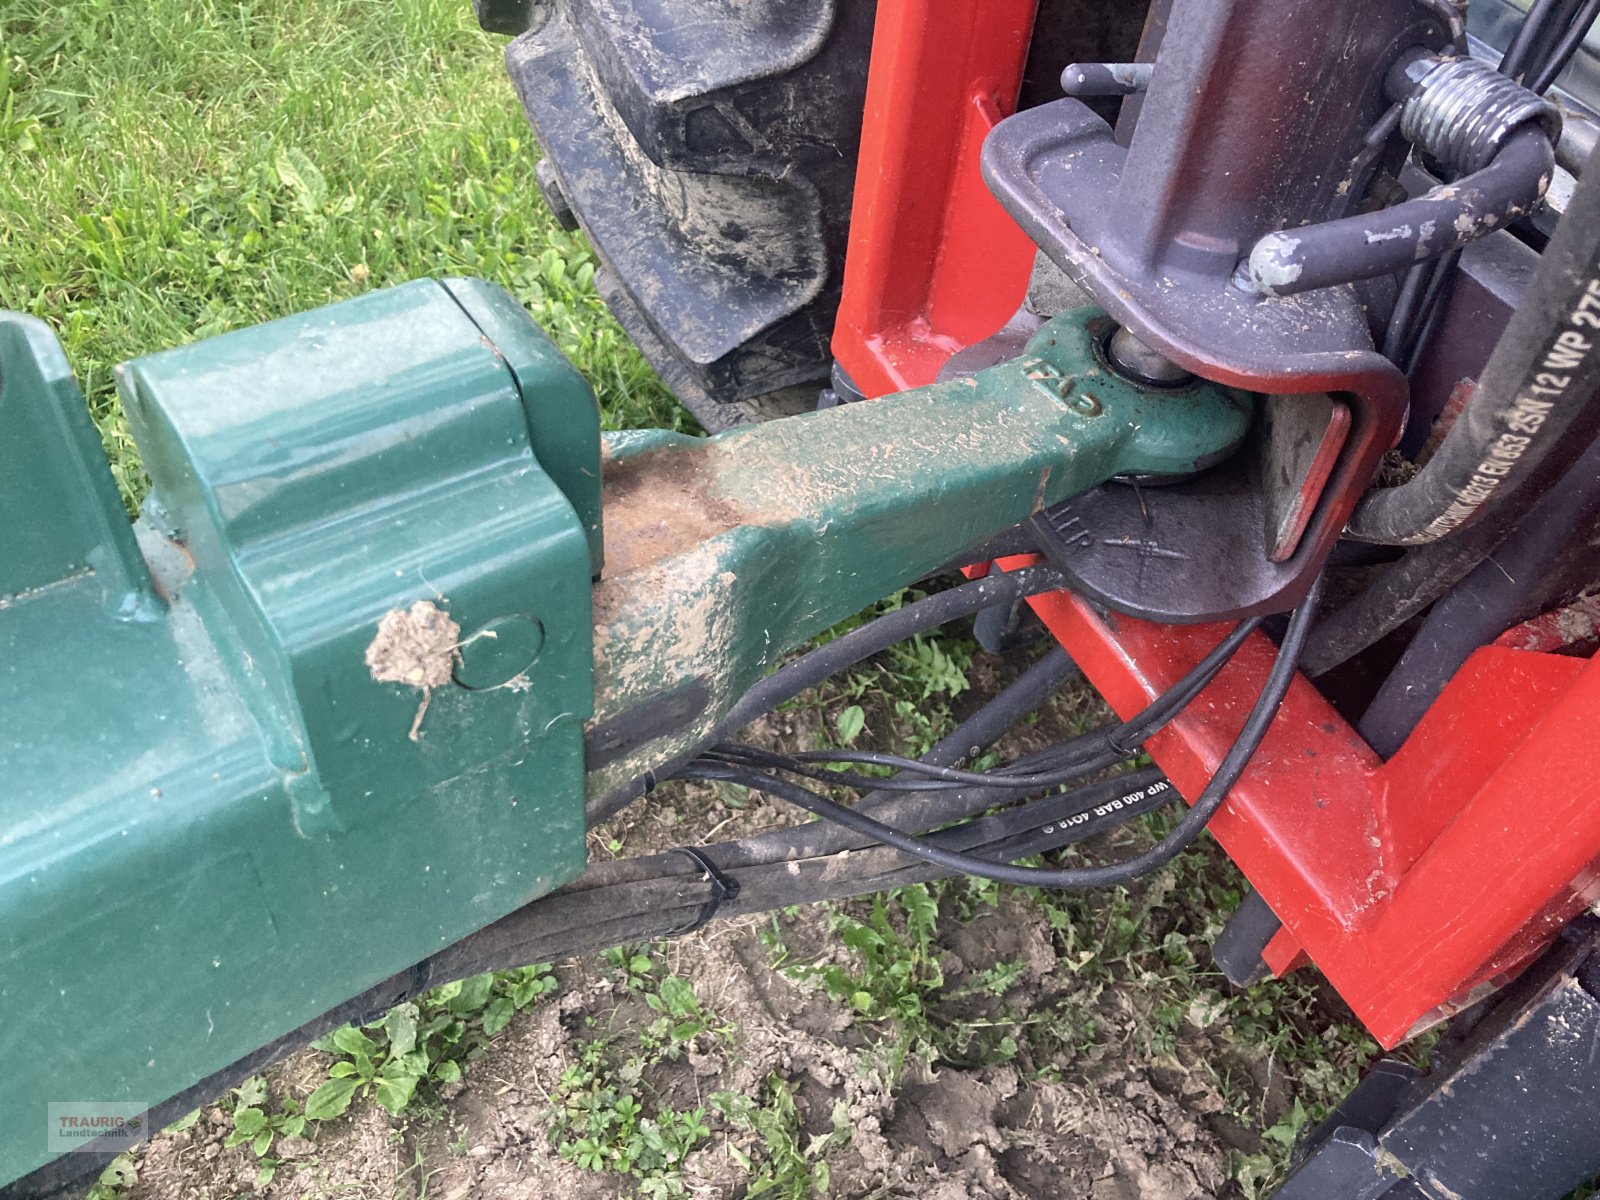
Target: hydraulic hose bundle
x=762, y=770
x=1533, y=414
x=1536, y=392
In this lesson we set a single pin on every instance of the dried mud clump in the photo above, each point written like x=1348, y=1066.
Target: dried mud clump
x=415, y=646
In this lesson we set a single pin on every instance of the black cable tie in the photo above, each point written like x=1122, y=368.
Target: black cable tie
x=1116, y=743
x=722, y=889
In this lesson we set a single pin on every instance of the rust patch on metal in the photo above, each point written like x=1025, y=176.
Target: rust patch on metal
x=658, y=504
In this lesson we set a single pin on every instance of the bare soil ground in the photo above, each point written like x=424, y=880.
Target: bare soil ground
x=965, y=1041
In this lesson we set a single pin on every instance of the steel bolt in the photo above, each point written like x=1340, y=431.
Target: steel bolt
x=1142, y=364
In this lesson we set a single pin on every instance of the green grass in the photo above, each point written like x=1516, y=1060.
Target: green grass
x=180, y=168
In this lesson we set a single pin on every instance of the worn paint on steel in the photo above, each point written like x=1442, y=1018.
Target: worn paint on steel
x=724, y=553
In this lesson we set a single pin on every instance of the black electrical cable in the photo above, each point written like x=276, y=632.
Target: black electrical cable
x=1003, y=711
x=1438, y=286
x=1403, y=318
x=737, y=754
x=1019, y=539
x=916, y=845
x=1053, y=769
x=999, y=789
x=1090, y=751
x=981, y=730
x=1373, y=144
x=1041, y=770
x=1187, y=830
x=1417, y=308
x=878, y=635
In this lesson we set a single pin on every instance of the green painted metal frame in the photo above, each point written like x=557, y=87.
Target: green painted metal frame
x=217, y=823
x=725, y=553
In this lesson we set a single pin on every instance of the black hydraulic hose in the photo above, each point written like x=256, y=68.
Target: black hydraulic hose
x=740, y=755
x=1536, y=392
x=918, y=846
x=810, y=669
x=1551, y=556
x=1367, y=245
x=998, y=587
x=972, y=736
x=1182, y=836
x=1433, y=303
x=1405, y=316
x=1561, y=54
x=1408, y=587
x=1515, y=61
x=1416, y=309
x=1019, y=539
x=999, y=714
x=1072, y=758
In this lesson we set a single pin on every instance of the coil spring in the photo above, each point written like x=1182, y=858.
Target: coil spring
x=1462, y=109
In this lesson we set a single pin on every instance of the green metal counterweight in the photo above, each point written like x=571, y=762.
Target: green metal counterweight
x=322, y=710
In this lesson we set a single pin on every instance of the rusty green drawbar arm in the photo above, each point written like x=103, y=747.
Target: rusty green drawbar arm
x=321, y=711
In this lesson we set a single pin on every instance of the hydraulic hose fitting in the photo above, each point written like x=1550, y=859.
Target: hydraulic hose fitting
x=1461, y=110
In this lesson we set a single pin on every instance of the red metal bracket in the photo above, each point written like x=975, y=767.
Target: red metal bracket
x=1572, y=628
x=1415, y=885
x=934, y=263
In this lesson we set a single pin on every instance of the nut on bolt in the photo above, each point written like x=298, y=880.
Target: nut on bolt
x=1143, y=364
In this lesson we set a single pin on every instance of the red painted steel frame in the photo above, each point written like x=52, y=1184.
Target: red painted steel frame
x=1415, y=884
x=934, y=263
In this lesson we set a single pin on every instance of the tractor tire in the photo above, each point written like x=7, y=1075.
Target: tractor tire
x=708, y=149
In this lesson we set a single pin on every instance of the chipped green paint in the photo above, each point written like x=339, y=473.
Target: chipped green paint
x=223, y=814
x=728, y=551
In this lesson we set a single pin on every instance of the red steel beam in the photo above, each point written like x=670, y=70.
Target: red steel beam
x=1413, y=884
x=934, y=263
